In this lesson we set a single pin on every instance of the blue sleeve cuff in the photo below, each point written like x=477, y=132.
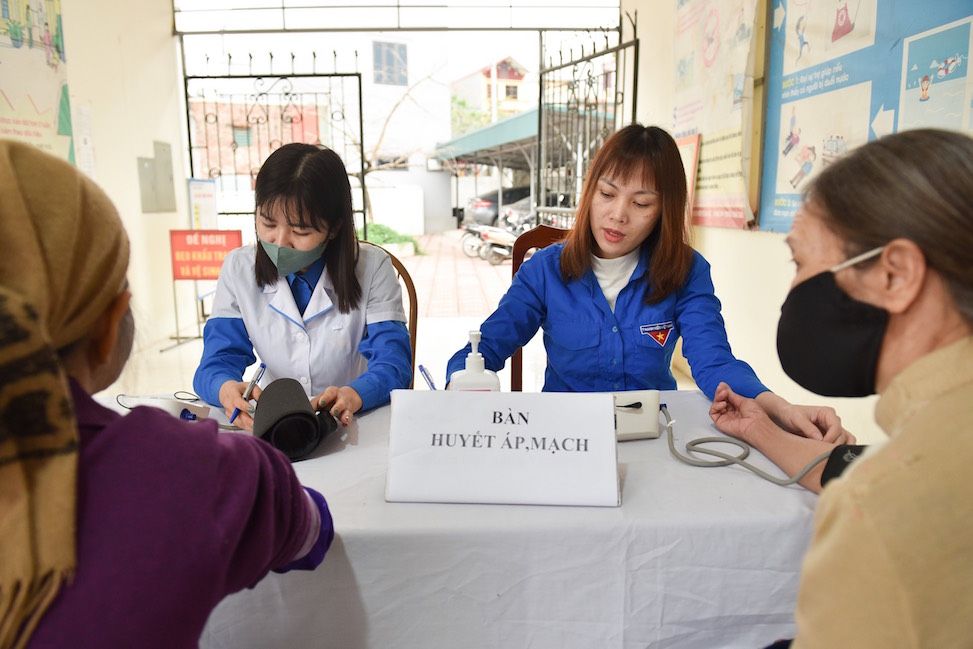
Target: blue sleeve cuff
x=735, y=373
x=386, y=347
x=227, y=352
x=371, y=392
x=456, y=363
x=747, y=386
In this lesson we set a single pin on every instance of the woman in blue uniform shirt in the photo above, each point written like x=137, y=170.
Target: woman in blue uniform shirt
x=614, y=297
x=312, y=303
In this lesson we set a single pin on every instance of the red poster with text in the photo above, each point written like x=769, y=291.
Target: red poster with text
x=198, y=254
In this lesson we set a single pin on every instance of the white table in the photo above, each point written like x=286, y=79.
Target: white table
x=694, y=558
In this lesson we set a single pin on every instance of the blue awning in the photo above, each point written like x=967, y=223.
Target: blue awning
x=512, y=142
x=504, y=141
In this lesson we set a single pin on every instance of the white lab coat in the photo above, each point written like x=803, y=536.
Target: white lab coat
x=320, y=348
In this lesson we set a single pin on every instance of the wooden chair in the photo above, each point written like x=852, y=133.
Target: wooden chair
x=410, y=289
x=539, y=237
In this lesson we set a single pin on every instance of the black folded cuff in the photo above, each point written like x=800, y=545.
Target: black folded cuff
x=285, y=420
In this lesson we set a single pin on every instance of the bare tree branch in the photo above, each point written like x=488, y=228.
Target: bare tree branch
x=406, y=95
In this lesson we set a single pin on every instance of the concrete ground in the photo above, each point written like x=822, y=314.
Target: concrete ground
x=450, y=284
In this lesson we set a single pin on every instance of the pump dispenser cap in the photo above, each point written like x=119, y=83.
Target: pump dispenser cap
x=474, y=360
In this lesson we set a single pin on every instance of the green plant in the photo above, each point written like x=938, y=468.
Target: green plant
x=382, y=234
x=464, y=118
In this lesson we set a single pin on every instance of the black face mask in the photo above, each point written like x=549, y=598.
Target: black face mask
x=828, y=342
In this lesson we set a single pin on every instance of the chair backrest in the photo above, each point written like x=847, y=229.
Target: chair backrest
x=539, y=237
x=410, y=288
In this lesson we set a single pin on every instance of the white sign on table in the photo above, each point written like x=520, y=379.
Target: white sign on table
x=502, y=448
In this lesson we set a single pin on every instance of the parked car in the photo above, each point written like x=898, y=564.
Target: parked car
x=520, y=214
x=482, y=209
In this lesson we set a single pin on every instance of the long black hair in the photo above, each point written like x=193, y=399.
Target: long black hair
x=311, y=186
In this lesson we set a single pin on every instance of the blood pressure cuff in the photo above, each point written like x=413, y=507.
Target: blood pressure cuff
x=284, y=419
x=840, y=459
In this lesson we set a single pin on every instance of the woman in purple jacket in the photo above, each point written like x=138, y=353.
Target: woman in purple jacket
x=115, y=531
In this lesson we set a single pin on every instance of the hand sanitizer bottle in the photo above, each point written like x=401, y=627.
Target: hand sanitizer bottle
x=475, y=378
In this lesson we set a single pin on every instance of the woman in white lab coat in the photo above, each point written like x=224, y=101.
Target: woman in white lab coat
x=313, y=304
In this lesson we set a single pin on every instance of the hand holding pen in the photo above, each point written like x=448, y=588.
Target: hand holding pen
x=235, y=397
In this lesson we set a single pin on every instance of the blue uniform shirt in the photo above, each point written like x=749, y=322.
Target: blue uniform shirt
x=592, y=349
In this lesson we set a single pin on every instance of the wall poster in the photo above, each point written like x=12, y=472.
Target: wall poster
x=846, y=72
x=34, y=103
x=714, y=93
x=689, y=152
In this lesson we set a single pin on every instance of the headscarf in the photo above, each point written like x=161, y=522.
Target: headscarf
x=63, y=261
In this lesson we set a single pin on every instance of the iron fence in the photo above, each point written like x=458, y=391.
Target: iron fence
x=582, y=101
x=236, y=121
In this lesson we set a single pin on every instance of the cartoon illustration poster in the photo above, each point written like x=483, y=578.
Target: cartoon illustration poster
x=845, y=72
x=34, y=101
x=936, y=84
x=714, y=92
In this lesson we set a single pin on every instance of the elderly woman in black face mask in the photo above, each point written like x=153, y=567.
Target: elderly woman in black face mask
x=882, y=301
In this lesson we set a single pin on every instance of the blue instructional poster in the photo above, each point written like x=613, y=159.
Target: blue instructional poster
x=845, y=72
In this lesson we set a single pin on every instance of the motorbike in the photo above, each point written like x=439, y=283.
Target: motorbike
x=495, y=243
x=498, y=242
x=471, y=241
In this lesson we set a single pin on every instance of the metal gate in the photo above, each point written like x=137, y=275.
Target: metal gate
x=582, y=101
x=236, y=121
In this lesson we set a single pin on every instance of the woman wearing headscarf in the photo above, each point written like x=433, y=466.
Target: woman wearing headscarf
x=115, y=531
x=882, y=302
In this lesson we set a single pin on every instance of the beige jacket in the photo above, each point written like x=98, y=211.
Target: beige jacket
x=891, y=563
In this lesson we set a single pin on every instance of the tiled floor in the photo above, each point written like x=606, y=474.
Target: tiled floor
x=455, y=294
x=450, y=284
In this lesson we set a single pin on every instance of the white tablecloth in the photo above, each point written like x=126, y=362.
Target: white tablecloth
x=694, y=558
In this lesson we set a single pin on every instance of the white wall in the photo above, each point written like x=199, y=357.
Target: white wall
x=472, y=90
x=435, y=207
x=400, y=207
x=751, y=270
x=123, y=64
x=427, y=106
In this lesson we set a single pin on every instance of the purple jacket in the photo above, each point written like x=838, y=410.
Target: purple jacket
x=173, y=516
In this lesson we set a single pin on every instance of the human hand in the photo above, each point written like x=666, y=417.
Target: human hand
x=231, y=397
x=735, y=415
x=341, y=402
x=814, y=422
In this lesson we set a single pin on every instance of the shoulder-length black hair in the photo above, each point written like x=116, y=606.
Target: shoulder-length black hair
x=311, y=186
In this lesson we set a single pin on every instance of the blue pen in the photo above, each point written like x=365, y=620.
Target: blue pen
x=246, y=393
x=425, y=375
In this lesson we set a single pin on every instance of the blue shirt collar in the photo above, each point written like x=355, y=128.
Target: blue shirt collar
x=311, y=275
